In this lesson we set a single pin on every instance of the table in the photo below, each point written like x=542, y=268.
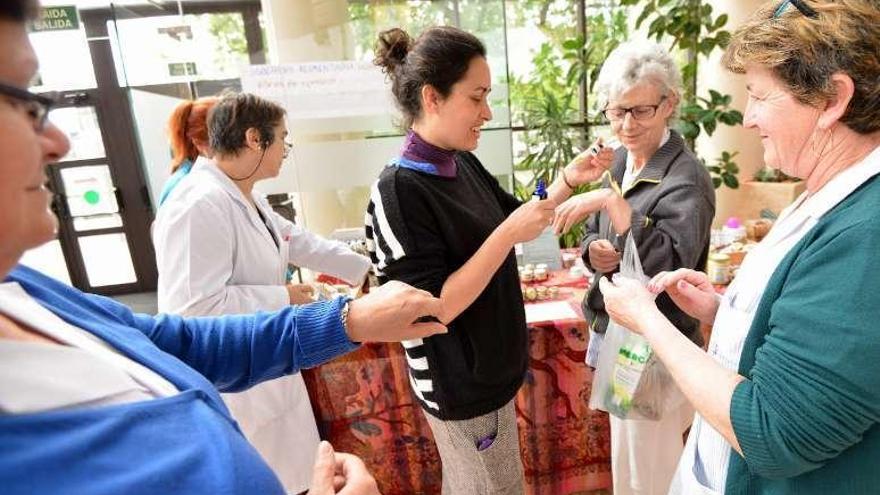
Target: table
x=363, y=404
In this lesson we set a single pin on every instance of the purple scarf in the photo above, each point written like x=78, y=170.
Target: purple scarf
x=418, y=150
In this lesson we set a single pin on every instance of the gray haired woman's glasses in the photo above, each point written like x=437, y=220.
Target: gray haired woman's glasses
x=36, y=106
x=639, y=112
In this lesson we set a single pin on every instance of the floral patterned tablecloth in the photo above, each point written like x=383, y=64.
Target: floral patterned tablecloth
x=363, y=405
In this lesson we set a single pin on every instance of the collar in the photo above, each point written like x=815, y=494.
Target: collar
x=209, y=166
x=630, y=159
x=657, y=165
x=260, y=207
x=421, y=155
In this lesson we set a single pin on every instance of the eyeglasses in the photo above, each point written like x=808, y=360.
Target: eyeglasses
x=287, y=148
x=798, y=4
x=639, y=112
x=36, y=106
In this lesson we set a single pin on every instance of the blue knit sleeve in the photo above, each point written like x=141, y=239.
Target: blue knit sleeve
x=238, y=351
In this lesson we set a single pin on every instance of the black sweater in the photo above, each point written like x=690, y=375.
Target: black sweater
x=420, y=229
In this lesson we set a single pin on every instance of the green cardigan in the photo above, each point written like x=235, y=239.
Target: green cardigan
x=806, y=417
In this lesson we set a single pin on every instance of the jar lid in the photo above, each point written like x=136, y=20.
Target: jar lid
x=719, y=257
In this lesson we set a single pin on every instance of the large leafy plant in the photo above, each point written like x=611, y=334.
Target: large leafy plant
x=551, y=103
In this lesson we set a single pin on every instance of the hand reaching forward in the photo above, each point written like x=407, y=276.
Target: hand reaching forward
x=577, y=208
x=628, y=302
x=587, y=166
x=389, y=313
x=529, y=220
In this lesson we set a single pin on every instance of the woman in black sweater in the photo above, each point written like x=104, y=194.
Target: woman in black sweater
x=438, y=220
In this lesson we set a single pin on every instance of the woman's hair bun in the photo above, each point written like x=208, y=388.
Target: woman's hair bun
x=391, y=49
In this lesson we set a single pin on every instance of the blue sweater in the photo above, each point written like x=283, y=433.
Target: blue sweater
x=187, y=443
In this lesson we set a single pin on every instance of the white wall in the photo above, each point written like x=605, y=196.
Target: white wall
x=746, y=142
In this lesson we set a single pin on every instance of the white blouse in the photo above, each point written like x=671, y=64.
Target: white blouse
x=86, y=372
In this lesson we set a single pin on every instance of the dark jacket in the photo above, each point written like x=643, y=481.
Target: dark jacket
x=673, y=203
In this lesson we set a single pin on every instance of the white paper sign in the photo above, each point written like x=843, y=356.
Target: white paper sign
x=320, y=90
x=549, y=311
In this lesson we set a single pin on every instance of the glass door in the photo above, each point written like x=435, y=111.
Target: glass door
x=89, y=205
x=100, y=195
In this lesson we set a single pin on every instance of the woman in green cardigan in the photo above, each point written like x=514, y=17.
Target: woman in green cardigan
x=788, y=396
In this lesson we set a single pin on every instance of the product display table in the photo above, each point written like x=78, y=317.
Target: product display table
x=363, y=405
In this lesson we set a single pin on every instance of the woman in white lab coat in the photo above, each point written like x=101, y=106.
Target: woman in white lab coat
x=221, y=249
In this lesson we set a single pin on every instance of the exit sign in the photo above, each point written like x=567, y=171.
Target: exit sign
x=58, y=18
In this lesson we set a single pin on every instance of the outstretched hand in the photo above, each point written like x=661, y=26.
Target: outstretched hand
x=529, y=220
x=628, y=302
x=577, y=208
x=588, y=167
x=389, y=313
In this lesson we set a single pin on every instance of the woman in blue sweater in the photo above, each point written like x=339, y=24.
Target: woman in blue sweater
x=788, y=397
x=96, y=399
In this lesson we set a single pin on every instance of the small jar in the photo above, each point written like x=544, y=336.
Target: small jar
x=527, y=275
x=718, y=269
x=531, y=294
x=552, y=292
x=541, y=292
x=541, y=274
x=568, y=260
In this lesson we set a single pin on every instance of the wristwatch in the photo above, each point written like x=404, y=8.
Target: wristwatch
x=343, y=315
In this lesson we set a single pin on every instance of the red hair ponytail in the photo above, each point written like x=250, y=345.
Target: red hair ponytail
x=188, y=129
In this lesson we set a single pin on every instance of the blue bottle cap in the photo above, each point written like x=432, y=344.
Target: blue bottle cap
x=540, y=190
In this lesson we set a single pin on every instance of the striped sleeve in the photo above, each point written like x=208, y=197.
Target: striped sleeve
x=405, y=244
x=403, y=234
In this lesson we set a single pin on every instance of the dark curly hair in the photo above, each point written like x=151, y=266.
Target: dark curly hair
x=439, y=57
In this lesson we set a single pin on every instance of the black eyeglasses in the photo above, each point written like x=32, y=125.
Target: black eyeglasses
x=288, y=146
x=798, y=4
x=37, y=106
x=639, y=112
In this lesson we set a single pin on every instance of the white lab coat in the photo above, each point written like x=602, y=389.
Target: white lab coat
x=215, y=256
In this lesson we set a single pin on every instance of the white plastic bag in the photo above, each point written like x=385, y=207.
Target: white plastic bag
x=630, y=382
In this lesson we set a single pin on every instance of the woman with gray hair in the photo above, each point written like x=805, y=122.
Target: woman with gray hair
x=666, y=200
